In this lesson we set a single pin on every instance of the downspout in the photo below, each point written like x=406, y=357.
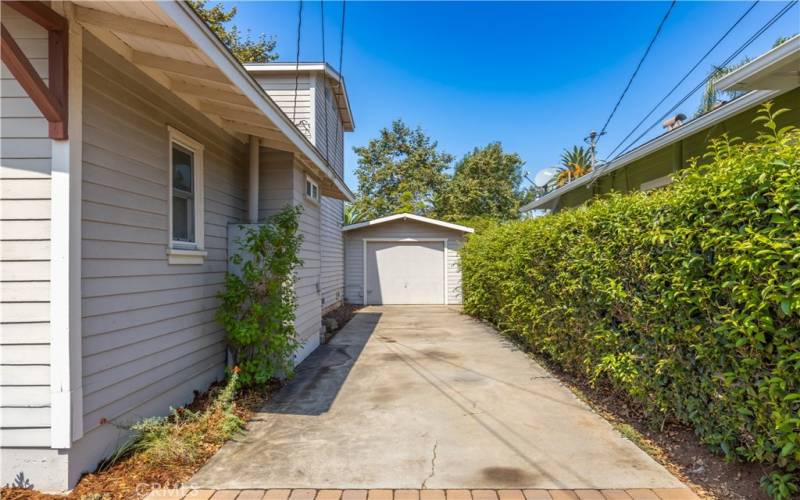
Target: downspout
x=252, y=196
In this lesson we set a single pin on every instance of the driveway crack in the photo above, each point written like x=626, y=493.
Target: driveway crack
x=433, y=466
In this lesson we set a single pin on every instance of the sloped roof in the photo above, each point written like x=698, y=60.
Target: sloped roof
x=404, y=216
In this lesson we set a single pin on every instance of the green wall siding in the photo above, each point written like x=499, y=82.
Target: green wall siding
x=677, y=155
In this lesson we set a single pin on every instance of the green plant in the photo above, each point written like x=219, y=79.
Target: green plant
x=352, y=215
x=687, y=299
x=184, y=436
x=258, y=303
x=575, y=162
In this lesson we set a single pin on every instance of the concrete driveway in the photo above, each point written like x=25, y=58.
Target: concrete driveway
x=424, y=397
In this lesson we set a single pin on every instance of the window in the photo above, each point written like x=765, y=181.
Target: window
x=185, y=199
x=312, y=190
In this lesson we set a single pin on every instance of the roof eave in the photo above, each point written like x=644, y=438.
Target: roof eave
x=759, y=67
x=407, y=216
x=198, y=32
x=723, y=112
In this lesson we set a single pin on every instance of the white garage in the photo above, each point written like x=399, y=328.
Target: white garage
x=403, y=259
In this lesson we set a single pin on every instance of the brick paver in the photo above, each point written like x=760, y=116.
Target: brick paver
x=277, y=494
x=329, y=494
x=432, y=495
x=537, y=495
x=615, y=495
x=406, y=494
x=510, y=495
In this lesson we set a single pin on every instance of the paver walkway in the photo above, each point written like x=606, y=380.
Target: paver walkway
x=308, y=494
x=425, y=397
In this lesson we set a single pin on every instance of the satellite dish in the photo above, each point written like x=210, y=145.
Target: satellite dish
x=544, y=176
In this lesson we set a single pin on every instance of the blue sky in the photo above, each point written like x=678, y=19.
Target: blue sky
x=535, y=76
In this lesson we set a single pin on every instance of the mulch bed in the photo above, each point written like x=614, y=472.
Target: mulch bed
x=672, y=444
x=133, y=477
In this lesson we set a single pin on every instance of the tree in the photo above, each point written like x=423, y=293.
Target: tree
x=400, y=171
x=485, y=183
x=575, y=163
x=244, y=48
x=712, y=96
x=352, y=215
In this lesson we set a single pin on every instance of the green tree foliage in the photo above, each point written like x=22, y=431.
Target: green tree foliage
x=400, y=171
x=575, y=162
x=686, y=299
x=352, y=215
x=244, y=48
x=258, y=304
x=485, y=183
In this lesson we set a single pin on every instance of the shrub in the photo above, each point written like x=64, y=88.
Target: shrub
x=686, y=299
x=258, y=304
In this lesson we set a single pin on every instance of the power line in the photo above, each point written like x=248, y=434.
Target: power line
x=638, y=66
x=680, y=82
x=297, y=59
x=727, y=61
x=324, y=78
x=341, y=38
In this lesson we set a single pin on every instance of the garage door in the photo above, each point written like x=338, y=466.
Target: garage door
x=405, y=272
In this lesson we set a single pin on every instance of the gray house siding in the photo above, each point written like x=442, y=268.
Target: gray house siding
x=282, y=183
x=25, y=169
x=149, y=335
x=309, y=111
x=354, y=254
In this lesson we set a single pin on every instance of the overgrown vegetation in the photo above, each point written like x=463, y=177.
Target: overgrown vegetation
x=686, y=300
x=258, y=303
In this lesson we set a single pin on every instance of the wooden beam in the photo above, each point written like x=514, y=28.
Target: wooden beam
x=178, y=67
x=40, y=13
x=235, y=114
x=267, y=133
x=34, y=86
x=58, y=77
x=210, y=93
x=138, y=27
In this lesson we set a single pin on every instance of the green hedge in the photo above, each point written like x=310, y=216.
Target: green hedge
x=686, y=299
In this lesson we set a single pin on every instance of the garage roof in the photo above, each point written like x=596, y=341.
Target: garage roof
x=417, y=218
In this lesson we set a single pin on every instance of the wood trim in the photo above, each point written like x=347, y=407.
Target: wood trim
x=131, y=26
x=178, y=67
x=58, y=78
x=39, y=13
x=29, y=79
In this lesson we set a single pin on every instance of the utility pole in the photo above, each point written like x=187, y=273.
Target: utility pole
x=592, y=142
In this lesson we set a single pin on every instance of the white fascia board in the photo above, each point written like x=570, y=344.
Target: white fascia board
x=763, y=64
x=312, y=68
x=196, y=30
x=414, y=217
x=707, y=120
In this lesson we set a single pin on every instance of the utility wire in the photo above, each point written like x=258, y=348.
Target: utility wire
x=324, y=78
x=680, y=82
x=297, y=59
x=341, y=38
x=727, y=61
x=638, y=66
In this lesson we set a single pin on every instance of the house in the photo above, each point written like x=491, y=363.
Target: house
x=403, y=259
x=132, y=143
x=774, y=76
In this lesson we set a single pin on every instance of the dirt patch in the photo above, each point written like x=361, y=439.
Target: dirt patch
x=672, y=444
x=133, y=477
x=342, y=315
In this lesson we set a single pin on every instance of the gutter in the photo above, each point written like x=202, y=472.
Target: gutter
x=734, y=107
x=780, y=54
x=196, y=30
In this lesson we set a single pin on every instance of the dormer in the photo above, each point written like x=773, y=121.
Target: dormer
x=314, y=97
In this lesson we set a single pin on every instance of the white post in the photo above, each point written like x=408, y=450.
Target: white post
x=252, y=197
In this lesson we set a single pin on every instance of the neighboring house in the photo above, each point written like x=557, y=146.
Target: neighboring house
x=403, y=259
x=132, y=142
x=774, y=76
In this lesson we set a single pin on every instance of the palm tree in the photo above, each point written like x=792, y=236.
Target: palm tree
x=575, y=162
x=712, y=96
x=352, y=215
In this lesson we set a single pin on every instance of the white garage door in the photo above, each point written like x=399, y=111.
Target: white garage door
x=405, y=272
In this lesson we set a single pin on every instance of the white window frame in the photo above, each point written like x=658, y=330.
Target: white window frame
x=314, y=186
x=182, y=252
